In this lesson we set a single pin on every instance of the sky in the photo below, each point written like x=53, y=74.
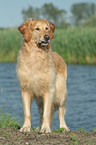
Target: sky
x=10, y=10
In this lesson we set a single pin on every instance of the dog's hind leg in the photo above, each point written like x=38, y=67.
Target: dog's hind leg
x=61, y=93
x=62, y=111
x=61, y=114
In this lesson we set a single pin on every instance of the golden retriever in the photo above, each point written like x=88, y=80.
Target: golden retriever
x=42, y=74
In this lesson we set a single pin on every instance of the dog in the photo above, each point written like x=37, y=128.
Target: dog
x=42, y=74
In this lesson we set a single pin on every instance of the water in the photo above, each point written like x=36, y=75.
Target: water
x=81, y=99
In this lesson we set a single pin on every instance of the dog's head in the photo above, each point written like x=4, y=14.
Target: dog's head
x=39, y=31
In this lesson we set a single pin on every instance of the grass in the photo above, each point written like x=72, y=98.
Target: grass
x=10, y=42
x=74, y=139
x=59, y=130
x=6, y=121
x=76, y=46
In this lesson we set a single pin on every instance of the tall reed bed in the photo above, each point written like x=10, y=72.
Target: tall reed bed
x=10, y=42
x=76, y=46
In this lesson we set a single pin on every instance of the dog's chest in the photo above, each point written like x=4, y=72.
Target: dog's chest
x=37, y=82
x=35, y=76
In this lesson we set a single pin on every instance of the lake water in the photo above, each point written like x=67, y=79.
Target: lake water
x=81, y=99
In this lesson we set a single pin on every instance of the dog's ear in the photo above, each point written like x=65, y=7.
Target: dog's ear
x=25, y=29
x=52, y=29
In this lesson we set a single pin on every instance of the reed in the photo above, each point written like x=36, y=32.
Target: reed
x=10, y=42
x=76, y=46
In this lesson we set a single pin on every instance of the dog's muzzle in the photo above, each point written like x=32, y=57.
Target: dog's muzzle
x=44, y=43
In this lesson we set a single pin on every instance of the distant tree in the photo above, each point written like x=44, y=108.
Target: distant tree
x=81, y=11
x=37, y=13
x=30, y=13
x=90, y=22
x=62, y=18
x=92, y=9
x=48, y=11
x=52, y=13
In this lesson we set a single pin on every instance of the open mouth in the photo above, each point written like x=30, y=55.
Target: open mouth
x=43, y=44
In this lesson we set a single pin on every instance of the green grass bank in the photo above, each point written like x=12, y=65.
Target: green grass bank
x=75, y=45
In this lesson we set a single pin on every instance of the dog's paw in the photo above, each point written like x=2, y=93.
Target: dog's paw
x=38, y=128
x=65, y=128
x=25, y=129
x=46, y=130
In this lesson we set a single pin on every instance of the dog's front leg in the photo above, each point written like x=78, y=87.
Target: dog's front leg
x=48, y=101
x=26, y=100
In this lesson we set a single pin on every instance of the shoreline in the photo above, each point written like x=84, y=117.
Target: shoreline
x=83, y=64
x=14, y=136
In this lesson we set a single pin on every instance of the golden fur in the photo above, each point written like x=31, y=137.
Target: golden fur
x=42, y=74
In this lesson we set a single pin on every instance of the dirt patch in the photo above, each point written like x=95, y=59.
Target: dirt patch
x=11, y=136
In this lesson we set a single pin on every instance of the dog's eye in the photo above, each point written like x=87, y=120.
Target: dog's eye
x=46, y=28
x=37, y=28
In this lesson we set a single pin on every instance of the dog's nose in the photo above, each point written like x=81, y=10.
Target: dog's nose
x=46, y=37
